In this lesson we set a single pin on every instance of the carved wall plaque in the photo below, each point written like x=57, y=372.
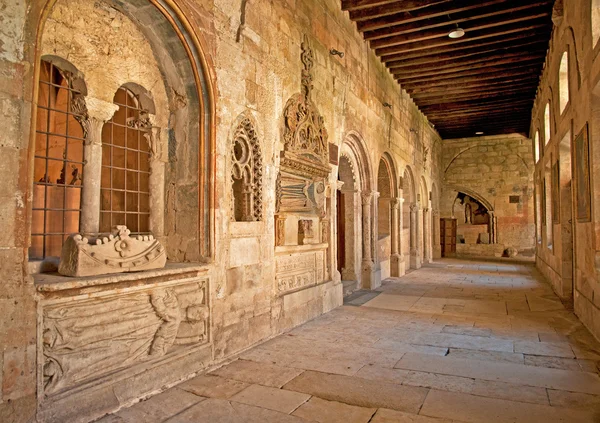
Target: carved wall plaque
x=87, y=339
x=113, y=253
x=299, y=270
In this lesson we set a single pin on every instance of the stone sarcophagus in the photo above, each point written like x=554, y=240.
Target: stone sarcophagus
x=94, y=329
x=116, y=252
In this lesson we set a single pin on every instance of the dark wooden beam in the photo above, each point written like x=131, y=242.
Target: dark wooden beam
x=476, y=96
x=533, y=80
x=458, y=92
x=445, y=20
x=447, y=69
x=373, y=5
x=493, y=24
x=471, y=77
x=391, y=16
x=512, y=29
x=471, y=47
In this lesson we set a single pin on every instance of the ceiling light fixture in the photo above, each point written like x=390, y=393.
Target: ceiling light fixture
x=457, y=32
x=479, y=133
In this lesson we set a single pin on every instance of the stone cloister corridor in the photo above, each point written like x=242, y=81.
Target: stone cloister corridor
x=455, y=341
x=299, y=210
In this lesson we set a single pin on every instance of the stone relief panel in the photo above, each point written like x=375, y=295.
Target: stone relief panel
x=299, y=270
x=90, y=338
x=246, y=174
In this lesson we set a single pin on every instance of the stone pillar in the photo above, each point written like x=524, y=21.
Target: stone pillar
x=369, y=273
x=98, y=112
x=156, y=139
x=437, y=242
x=415, y=259
x=395, y=256
x=426, y=235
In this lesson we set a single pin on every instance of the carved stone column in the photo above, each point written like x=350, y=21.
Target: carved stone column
x=279, y=230
x=437, y=246
x=369, y=273
x=395, y=257
x=96, y=113
x=156, y=139
x=415, y=257
x=426, y=235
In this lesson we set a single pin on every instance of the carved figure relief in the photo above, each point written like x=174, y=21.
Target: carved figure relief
x=86, y=339
x=116, y=252
x=246, y=174
x=305, y=232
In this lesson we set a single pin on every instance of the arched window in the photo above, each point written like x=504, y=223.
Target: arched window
x=547, y=124
x=126, y=152
x=58, y=165
x=246, y=174
x=536, y=146
x=563, y=82
x=595, y=22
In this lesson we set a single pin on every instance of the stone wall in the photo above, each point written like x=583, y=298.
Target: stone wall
x=492, y=169
x=251, y=68
x=568, y=236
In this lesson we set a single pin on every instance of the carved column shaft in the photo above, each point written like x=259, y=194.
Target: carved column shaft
x=366, y=225
x=92, y=170
x=394, y=205
x=414, y=217
x=156, y=180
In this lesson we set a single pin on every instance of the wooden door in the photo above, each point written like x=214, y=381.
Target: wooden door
x=448, y=237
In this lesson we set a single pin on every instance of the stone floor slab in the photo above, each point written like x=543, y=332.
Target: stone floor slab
x=159, y=407
x=384, y=415
x=281, y=400
x=552, y=349
x=360, y=392
x=470, y=408
x=221, y=411
x=503, y=372
x=213, y=386
x=257, y=373
x=323, y=411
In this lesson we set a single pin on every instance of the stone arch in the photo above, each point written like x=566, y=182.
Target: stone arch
x=409, y=228
x=387, y=217
x=175, y=40
x=355, y=179
x=425, y=224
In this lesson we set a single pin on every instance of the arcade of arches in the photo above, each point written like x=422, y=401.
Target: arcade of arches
x=184, y=180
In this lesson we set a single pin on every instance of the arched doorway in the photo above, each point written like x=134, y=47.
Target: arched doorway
x=409, y=221
x=425, y=232
x=387, y=219
x=435, y=223
x=348, y=240
x=355, y=211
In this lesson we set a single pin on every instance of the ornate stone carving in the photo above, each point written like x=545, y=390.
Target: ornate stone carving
x=112, y=253
x=304, y=131
x=84, y=339
x=246, y=173
x=306, y=232
x=279, y=231
x=414, y=208
x=367, y=198
x=299, y=270
x=304, y=162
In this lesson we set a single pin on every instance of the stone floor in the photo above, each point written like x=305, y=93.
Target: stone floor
x=457, y=341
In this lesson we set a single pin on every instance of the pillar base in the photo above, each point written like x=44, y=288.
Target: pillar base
x=397, y=266
x=437, y=253
x=415, y=260
x=371, y=277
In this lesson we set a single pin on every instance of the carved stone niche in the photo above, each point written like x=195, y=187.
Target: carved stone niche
x=87, y=339
x=116, y=252
x=302, y=187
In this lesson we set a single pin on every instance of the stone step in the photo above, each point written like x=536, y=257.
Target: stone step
x=349, y=287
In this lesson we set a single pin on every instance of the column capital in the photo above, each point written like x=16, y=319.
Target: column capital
x=100, y=109
x=394, y=203
x=414, y=207
x=436, y=213
x=366, y=197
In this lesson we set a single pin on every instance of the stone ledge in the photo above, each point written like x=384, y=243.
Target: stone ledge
x=54, y=282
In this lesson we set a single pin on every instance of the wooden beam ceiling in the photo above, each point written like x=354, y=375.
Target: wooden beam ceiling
x=485, y=81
